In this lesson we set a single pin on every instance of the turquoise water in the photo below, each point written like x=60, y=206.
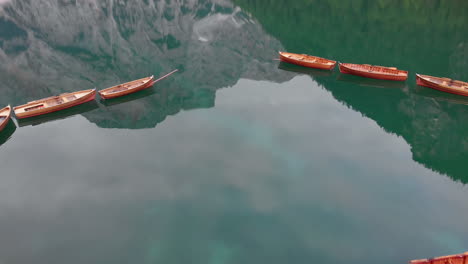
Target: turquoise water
x=237, y=158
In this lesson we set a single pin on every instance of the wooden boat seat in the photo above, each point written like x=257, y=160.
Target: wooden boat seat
x=70, y=97
x=55, y=101
x=34, y=107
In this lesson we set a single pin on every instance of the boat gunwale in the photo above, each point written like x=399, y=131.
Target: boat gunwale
x=463, y=256
x=4, y=122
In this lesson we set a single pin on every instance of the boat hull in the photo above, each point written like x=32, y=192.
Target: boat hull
x=5, y=114
x=90, y=96
x=425, y=80
x=321, y=63
x=106, y=95
x=452, y=259
x=374, y=75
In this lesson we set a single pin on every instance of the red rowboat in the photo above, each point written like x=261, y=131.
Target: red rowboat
x=54, y=103
x=451, y=259
x=373, y=71
x=307, y=60
x=5, y=115
x=443, y=84
x=130, y=87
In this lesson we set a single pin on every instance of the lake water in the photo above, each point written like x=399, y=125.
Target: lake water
x=236, y=158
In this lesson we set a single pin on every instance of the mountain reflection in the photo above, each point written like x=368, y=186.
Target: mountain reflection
x=299, y=69
x=393, y=33
x=370, y=82
x=278, y=173
x=50, y=47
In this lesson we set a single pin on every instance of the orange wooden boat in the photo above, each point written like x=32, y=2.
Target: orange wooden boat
x=5, y=115
x=450, y=259
x=307, y=60
x=54, y=103
x=374, y=71
x=130, y=87
x=443, y=84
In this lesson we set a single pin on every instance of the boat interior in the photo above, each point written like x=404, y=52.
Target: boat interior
x=308, y=58
x=126, y=86
x=447, y=82
x=374, y=68
x=51, y=101
x=4, y=113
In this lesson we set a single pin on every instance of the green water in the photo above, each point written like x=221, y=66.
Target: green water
x=236, y=158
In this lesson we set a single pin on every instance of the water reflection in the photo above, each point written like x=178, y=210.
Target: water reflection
x=439, y=96
x=389, y=34
x=299, y=69
x=370, y=82
x=211, y=42
x=215, y=42
x=244, y=182
x=6, y=133
x=131, y=97
x=150, y=107
x=280, y=171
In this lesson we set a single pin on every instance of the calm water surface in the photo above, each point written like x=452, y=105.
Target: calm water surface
x=236, y=158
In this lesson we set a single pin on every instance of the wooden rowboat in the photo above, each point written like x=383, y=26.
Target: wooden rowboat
x=443, y=84
x=126, y=88
x=54, y=103
x=5, y=114
x=130, y=87
x=374, y=71
x=307, y=60
x=450, y=259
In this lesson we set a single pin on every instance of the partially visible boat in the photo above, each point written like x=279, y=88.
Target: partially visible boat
x=6, y=133
x=450, y=259
x=54, y=103
x=443, y=84
x=5, y=114
x=131, y=87
x=307, y=60
x=374, y=71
